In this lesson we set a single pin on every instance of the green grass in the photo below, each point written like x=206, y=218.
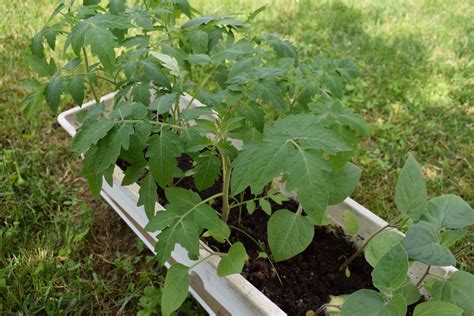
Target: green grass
x=61, y=251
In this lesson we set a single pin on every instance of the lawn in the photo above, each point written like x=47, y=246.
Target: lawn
x=61, y=251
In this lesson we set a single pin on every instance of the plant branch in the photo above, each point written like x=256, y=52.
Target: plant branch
x=201, y=86
x=324, y=306
x=226, y=169
x=423, y=277
x=244, y=202
x=86, y=61
x=361, y=249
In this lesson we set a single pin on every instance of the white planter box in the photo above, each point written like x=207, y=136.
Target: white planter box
x=232, y=295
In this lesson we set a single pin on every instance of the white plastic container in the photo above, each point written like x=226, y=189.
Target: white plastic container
x=231, y=295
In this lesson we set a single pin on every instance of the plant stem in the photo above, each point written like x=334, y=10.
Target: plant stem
x=361, y=249
x=201, y=85
x=151, y=122
x=86, y=61
x=225, y=187
x=254, y=199
x=299, y=210
x=423, y=277
x=324, y=306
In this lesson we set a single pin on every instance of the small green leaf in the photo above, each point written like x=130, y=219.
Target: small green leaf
x=53, y=92
x=199, y=59
x=450, y=237
x=437, y=308
x=350, y=223
x=234, y=261
x=220, y=233
x=449, y=211
x=198, y=40
x=266, y=206
x=250, y=206
x=344, y=182
x=163, y=150
x=422, y=243
x=168, y=62
x=390, y=273
x=147, y=195
x=175, y=289
x=76, y=88
x=371, y=303
x=133, y=173
x=206, y=171
x=411, y=195
x=163, y=104
x=380, y=245
x=458, y=289
x=102, y=43
x=288, y=234
x=409, y=291
x=90, y=133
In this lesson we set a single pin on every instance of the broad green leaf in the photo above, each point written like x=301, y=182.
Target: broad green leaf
x=288, y=234
x=411, y=195
x=206, y=171
x=390, y=272
x=269, y=92
x=198, y=40
x=199, y=59
x=409, y=291
x=53, y=92
x=76, y=88
x=437, y=308
x=33, y=101
x=154, y=73
x=380, y=245
x=422, y=243
x=102, y=43
x=133, y=173
x=350, y=223
x=147, y=195
x=141, y=93
x=188, y=215
x=450, y=237
x=458, y=289
x=175, y=289
x=104, y=155
x=371, y=303
x=90, y=133
x=163, y=104
x=344, y=182
x=163, y=150
x=234, y=261
x=220, y=233
x=449, y=211
x=117, y=6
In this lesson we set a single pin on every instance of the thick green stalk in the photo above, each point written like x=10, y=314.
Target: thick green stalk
x=225, y=187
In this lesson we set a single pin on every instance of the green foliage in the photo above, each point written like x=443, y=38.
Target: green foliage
x=437, y=308
x=456, y=290
x=368, y=302
x=380, y=245
x=234, y=261
x=175, y=289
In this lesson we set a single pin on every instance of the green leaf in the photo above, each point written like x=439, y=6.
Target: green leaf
x=33, y=101
x=350, y=223
x=344, y=182
x=250, y=205
x=76, y=88
x=220, y=233
x=104, y=155
x=390, y=273
x=234, y=261
x=53, y=92
x=422, y=243
x=199, y=59
x=206, y=171
x=141, y=93
x=117, y=6
x=175, y=289
x=163, y=104
x=409, y=291
x=198, y=40
x=437, y=308
x=266, y=206
x=449, y=211
x=371, y=303
x=102, y=43
x=288, y=234
x=133, y=173
x=269, y=92
x=411, y=195
x=154, y=73
x=458, y=289
x=162, y=151
x=90, y=133
x=168, y=62
x=187, y=216
x=450, y=237
x=147, y=195
x=380, y=245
